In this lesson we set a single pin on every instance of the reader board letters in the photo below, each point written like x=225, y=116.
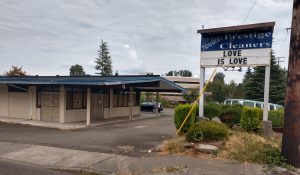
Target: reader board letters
x=238, y=48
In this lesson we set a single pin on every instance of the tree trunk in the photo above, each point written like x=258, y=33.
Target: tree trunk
x=291, y=130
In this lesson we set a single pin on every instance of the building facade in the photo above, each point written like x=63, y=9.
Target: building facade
x=74, y=99
x=185, y=82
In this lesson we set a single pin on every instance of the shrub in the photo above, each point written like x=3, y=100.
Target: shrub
x=181, y=111
x=194, y=134
x=251, y=118
x=231, y=115
x=212, y=110
x=174, y=145
x=211, y=130
x=276, y=117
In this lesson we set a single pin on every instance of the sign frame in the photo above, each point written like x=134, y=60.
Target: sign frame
x=206, y=54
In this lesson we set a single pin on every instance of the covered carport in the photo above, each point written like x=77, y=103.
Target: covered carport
x=67, y=99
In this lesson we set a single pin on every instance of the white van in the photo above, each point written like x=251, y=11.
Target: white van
x=252, y=103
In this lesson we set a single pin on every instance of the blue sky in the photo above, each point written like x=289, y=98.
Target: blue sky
x=47, y=37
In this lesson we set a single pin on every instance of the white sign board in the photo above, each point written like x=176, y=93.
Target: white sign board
x=245, y=48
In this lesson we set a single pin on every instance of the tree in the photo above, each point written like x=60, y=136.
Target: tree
x=16, y=71
x=172, y=73
x=183, y=73
x=103, y=62
x=117, y=73
x=254, y=83
x=77, y=70
x=217, y=88
x=191, y=95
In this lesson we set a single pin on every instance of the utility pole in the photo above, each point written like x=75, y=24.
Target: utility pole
x=291, y=129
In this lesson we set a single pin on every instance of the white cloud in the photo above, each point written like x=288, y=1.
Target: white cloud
x=46, y=37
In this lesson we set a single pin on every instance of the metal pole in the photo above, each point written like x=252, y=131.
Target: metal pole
x=201, y=100
x=291, y=135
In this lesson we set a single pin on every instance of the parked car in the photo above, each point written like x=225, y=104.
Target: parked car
x=151, y=106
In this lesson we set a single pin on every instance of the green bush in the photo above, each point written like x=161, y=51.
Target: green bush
x=181, y=111
x=212, y=110
x=251, y=118
x=231, y=115
x=194, y=134
x=276, y=117
x=211, y=130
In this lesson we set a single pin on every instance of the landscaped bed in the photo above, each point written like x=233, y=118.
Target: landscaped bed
x=239, y=139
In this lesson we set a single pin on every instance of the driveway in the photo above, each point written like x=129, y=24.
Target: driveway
x=133, y=138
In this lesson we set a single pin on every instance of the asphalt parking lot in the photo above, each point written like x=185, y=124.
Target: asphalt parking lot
x=133, y=138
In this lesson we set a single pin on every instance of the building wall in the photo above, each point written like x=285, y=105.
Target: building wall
x=75, y=115
x=19, y=105
x=3, y=100
x=124, y=111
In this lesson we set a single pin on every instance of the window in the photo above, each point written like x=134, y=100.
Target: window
x=17, y=88
x=235, y=102
x=258, y=105
x=76, y=98
x=121, y=98
x=136, y=98
x=249, y=104
x=228, y=102
x=272, y=107
x=106, y=98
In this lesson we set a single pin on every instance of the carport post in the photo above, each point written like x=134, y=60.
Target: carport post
x=88, y=107
x=157, y=99
x=130, y=103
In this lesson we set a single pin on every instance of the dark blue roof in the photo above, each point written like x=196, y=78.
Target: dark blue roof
x=89, y=80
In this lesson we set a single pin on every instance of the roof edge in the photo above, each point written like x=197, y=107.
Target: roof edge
x=265, y=25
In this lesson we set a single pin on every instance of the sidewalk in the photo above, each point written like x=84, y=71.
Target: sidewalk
x=102, y=163
x=74, y=125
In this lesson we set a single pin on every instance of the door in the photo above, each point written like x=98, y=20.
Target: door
x=50, y=106
x=96, y=106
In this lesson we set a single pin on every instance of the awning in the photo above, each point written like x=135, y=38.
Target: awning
x=153, y=83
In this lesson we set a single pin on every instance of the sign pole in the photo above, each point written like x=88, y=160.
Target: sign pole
x=201, y=99
x=267, y=125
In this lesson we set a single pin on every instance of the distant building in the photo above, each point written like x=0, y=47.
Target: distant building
x=185, y=82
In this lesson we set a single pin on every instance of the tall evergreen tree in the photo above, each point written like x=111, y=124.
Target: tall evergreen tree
x=77, y=70
x=103, y=62
x=254, y=83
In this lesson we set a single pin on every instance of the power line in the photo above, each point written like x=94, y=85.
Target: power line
x=250, y=11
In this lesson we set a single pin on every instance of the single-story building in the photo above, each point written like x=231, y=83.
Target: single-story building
x=66, y=99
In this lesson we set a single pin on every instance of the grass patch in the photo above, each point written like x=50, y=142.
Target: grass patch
x=174, y=145
x=250, y=147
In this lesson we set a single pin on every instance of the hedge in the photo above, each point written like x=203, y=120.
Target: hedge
x=212, y=110
x=231, y=115
x=181, y=111
x=251, y=118
x=276, y=117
